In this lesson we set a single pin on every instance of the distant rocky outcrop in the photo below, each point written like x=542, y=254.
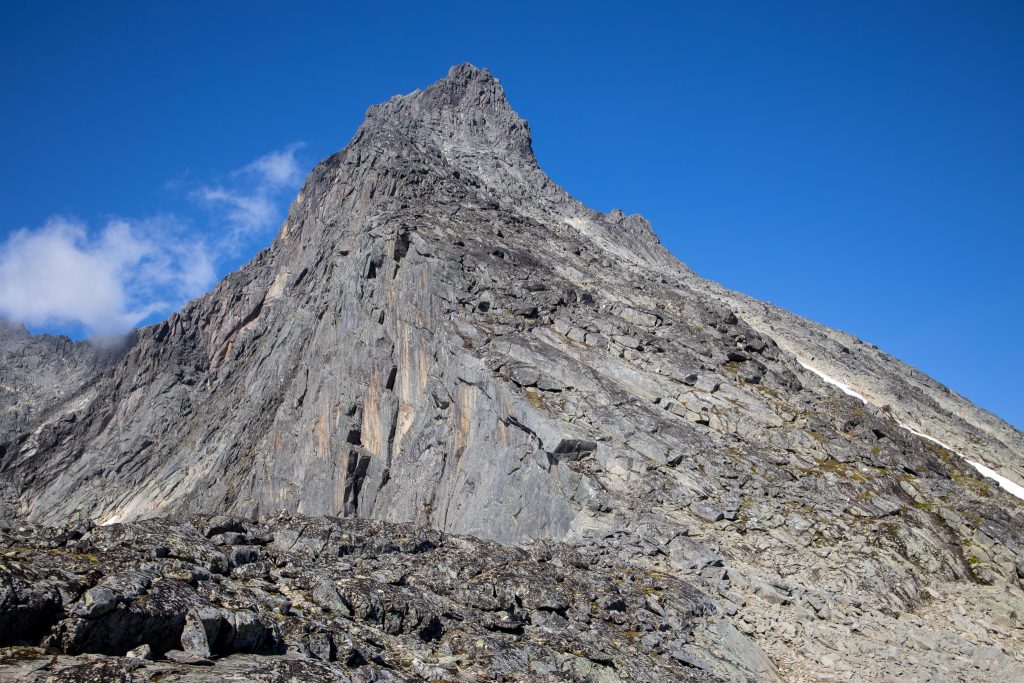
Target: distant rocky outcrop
x=441, y=336
x=41, y=370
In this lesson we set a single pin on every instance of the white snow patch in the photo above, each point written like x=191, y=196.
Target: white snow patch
x=1010, y=487
x=932, y=439
x=845, y=388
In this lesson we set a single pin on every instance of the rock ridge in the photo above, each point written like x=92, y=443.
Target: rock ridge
x=440, y=336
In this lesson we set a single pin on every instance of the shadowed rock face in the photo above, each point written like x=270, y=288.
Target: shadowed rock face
x=441, y=335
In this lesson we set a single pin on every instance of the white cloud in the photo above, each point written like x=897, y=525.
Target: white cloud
x=60, y=274
x=107, y=281
x=248, y=214
x=251, y=198
x=278, y=169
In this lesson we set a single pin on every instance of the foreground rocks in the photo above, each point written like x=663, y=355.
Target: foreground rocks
x=297, y=598
x=440, y=335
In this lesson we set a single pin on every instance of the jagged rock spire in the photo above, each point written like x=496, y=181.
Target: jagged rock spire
x=463, y=114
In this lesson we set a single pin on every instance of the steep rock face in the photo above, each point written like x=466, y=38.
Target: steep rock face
x=351, y=342
x=441, y=335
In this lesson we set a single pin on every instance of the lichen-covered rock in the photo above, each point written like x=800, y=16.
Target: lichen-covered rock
x=363, y=599
x=440, y=335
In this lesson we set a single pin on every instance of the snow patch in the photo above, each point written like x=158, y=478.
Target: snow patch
x=845, y=388
x=1010, y=487
x=925, y=436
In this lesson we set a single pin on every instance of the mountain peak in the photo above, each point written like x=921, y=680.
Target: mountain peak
x=444, y=337
x=467, y=73
x=465, y=114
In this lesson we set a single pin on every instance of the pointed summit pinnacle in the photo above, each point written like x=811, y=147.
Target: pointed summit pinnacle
x=465, y=114
x=472, y=87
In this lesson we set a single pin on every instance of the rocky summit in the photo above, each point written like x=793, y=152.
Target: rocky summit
x=453, y=425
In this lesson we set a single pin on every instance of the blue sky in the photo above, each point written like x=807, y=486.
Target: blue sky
x=859, y=163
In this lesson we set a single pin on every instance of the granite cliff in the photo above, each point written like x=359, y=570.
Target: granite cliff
x=442, y=337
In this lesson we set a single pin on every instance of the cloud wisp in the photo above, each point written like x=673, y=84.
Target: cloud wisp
x=64, y=276
x=251, y=197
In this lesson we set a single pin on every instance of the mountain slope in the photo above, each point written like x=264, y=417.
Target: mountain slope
x=441, y=335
